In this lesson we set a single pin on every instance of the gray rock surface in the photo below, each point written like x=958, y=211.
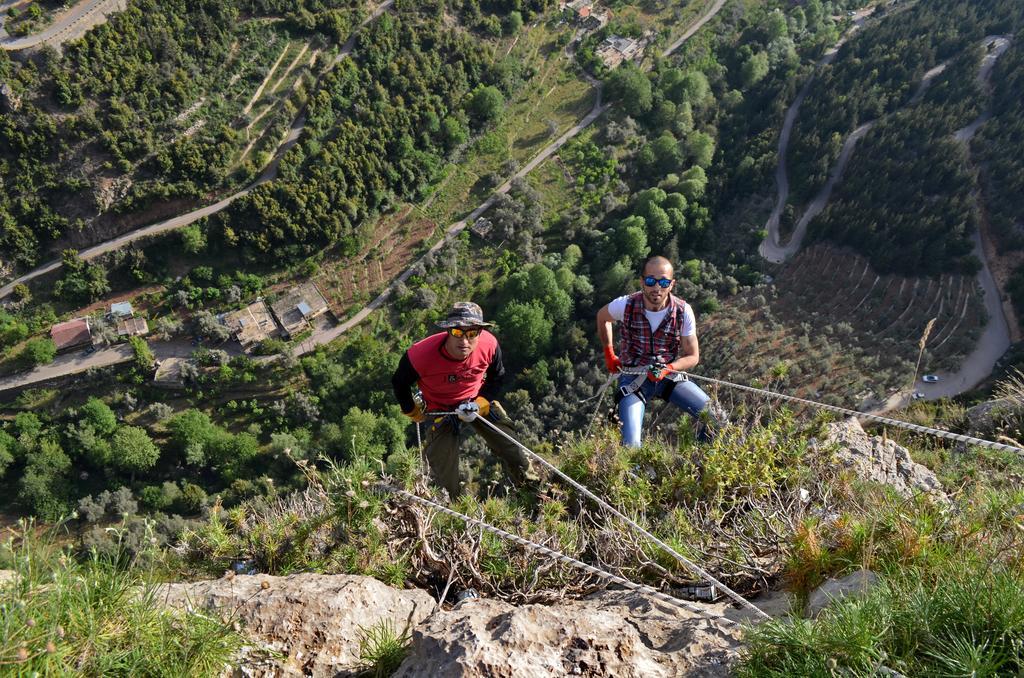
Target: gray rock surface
x=313, y=620
x=854, y=584
x=610, y=634
x=983, y=419
x=881, y=460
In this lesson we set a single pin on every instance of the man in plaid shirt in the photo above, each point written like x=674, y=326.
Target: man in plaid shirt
x=658, y=331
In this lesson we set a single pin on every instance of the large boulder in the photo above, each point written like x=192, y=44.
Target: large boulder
x=313, y=620
x=985, y=419
x=610, y=634
x=881, y=460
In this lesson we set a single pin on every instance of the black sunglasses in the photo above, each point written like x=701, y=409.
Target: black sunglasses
x=651, y=281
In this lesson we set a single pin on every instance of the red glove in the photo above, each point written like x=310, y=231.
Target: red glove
x=611, y=361
x=658, y=373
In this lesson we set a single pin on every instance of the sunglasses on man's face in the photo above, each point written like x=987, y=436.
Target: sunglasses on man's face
x=459, y=333
x=651, y=281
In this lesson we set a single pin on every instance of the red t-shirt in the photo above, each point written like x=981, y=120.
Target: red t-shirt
x=445, y=381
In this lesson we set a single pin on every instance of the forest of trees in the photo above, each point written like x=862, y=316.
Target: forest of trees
x=120, y=92
x=378, y=128
x=877, y=72
x=905, y=200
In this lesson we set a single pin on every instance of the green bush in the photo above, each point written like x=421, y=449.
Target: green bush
x=38, y=351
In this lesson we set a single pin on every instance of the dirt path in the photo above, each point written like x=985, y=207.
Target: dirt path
x=259, y=90
x=771, y=248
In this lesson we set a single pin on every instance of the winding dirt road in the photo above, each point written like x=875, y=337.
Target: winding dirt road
x=995, y=338
x=771, y=248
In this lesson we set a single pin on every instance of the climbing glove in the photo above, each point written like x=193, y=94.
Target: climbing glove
x=484, y=404
x=467, y=411
x=611, y=360
x=416, y=414
x=658, y=371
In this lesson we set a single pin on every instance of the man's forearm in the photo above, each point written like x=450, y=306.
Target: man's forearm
x=684, y=363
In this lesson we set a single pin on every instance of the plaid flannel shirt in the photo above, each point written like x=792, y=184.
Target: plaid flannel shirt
x=640, y=346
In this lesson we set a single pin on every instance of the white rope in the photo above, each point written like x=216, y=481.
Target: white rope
x=561, y=557
x=863, y=415
x=694, y=567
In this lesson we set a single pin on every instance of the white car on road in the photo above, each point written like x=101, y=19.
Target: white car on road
x=929, y=378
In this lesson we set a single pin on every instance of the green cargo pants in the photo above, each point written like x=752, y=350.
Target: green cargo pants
x=442, y=449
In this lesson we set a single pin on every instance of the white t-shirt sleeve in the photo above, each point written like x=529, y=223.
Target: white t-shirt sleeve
x=689, y=322
x=617, y=308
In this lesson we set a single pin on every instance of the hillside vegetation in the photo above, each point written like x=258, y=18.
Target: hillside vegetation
x=904, y=200
x=147, y=107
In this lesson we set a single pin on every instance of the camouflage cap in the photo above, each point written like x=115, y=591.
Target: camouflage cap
x=464, y=314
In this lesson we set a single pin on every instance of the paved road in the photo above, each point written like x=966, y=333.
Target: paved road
x=995, y=339
x=174, y=223
x=771, y=247
x=64, y=26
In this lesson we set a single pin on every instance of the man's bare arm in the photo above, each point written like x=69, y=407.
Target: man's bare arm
x=689, y=354
x=604, y=326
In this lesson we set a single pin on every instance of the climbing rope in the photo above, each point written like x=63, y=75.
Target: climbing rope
x=863, y=415
x=559, y=556
x=692, y=566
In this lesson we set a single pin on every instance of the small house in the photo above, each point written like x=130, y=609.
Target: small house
x=579, y=9
x=597, y=20
x=251, y=325
x=297, y=309
x=615, y=49
x=131, y=327
x=71, y=334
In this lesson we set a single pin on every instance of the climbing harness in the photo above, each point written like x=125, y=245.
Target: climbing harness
x=641, y=372
x=559, y=556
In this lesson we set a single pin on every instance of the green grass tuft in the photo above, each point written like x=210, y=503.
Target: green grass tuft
x=60, y=616
x=382, y=649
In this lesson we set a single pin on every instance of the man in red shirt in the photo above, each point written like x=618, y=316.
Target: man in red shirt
x=458, y=366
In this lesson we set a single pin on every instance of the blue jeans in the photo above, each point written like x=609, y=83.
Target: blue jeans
x=686, y=395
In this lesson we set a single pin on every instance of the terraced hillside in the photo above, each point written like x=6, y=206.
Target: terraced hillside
x=833, y=325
